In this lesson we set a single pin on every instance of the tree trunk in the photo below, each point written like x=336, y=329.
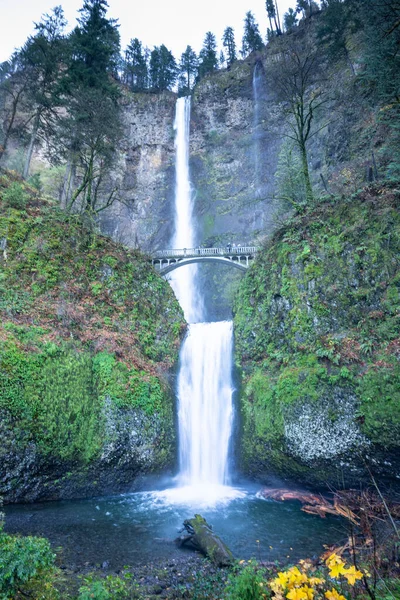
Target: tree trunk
x=31, y=146
x=201, y=537
x=3, y=147
x=306, y=173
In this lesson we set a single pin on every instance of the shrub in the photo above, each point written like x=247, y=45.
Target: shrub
x=15, y=195
x=26, y=563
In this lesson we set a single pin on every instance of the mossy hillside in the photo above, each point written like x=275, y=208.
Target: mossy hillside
x=84, y=322
x=317, y=325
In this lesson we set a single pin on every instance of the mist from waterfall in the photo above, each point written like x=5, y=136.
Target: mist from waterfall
x=205, y=387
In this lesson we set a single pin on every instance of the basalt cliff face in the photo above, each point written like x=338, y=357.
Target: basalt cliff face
x=234, y=147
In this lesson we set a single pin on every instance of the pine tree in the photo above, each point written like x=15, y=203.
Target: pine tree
x=252, y=40
x=96, y=44
x=93, y=127
x=135, y=66
x=188, y=67
x=41, y=59
x=306, y=7
x=228, y=41
x=208, y=61
x=163, y=69
x=290, y=19
x=13, y=89
x=273, y=16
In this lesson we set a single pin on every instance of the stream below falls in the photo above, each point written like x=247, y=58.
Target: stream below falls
x=131, y=529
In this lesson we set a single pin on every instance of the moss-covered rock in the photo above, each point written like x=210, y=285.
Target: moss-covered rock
x=88, y=335
x=317, y=322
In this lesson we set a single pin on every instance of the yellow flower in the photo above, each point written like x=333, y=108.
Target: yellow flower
x=282, y=579
x=334, y=595
x=352, y=575
x=334, y=559
x=337, y=570
x=302, y=593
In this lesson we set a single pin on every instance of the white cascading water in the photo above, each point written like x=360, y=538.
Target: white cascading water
x=184, y=281
x=257, y=91
x=205, y=385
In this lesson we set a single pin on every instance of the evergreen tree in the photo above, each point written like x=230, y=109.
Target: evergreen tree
x=93, y=127
x=380, y=75
x=135, y=66
x=336, y=23
x=163, y=69
x=252, y=40
x=228, y=41
x=208, y=61
x=273, y=16
x=41, y=59
x=289, y=19
x=306, y=7
x=13, y=90
x=187, y=71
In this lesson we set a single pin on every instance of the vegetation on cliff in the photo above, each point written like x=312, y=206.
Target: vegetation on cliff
x=87, y=327
x=317, y=335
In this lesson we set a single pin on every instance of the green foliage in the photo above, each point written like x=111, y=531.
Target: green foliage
x=15, y=195
x=66, y=294
x=228, y=41
x=187, y=71
x=252, y=40
x=68, y=411
x=247, y=583
x=127, y=388
x=111, y=587
x=319, y=310
x=288, y=177
x=379, y=391
x=208, y=61
x=163, y=69
x=26, y=563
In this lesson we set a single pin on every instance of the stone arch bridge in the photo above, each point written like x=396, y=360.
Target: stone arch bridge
x=239, y=257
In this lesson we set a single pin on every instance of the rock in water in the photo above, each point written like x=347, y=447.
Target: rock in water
x=200, y=536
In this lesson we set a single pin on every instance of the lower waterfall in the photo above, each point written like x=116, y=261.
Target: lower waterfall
x=205, y=404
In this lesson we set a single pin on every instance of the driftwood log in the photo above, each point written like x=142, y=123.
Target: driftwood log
x=313, y=504
x=198, y=534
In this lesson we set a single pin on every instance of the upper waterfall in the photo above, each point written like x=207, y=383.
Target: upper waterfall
x=184, y=281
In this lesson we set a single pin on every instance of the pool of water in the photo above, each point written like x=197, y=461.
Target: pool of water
x=131, y=529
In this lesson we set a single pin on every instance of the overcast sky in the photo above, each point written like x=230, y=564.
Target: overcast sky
x=175, y=23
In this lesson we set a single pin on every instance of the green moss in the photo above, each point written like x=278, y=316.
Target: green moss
x=83, y=321
x=319, y=310
x=379, y=391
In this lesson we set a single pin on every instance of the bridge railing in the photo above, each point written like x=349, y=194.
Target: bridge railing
x=226, y=251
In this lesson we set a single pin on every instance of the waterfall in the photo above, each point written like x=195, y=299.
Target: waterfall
x=257, y=135
x=184, y=281
x=205, y=404
x=205, y=385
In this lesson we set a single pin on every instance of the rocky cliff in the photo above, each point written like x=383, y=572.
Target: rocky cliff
x=89, y=334
x=233, y=155
x=317, y=337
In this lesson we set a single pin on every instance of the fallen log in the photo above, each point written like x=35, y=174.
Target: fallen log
x=282, y=494
x=200, y=536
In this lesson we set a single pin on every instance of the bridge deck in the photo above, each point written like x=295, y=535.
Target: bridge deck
x=236, y=256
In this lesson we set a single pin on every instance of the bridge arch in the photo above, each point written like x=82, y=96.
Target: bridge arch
x=239, y=257
x=188, y=261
